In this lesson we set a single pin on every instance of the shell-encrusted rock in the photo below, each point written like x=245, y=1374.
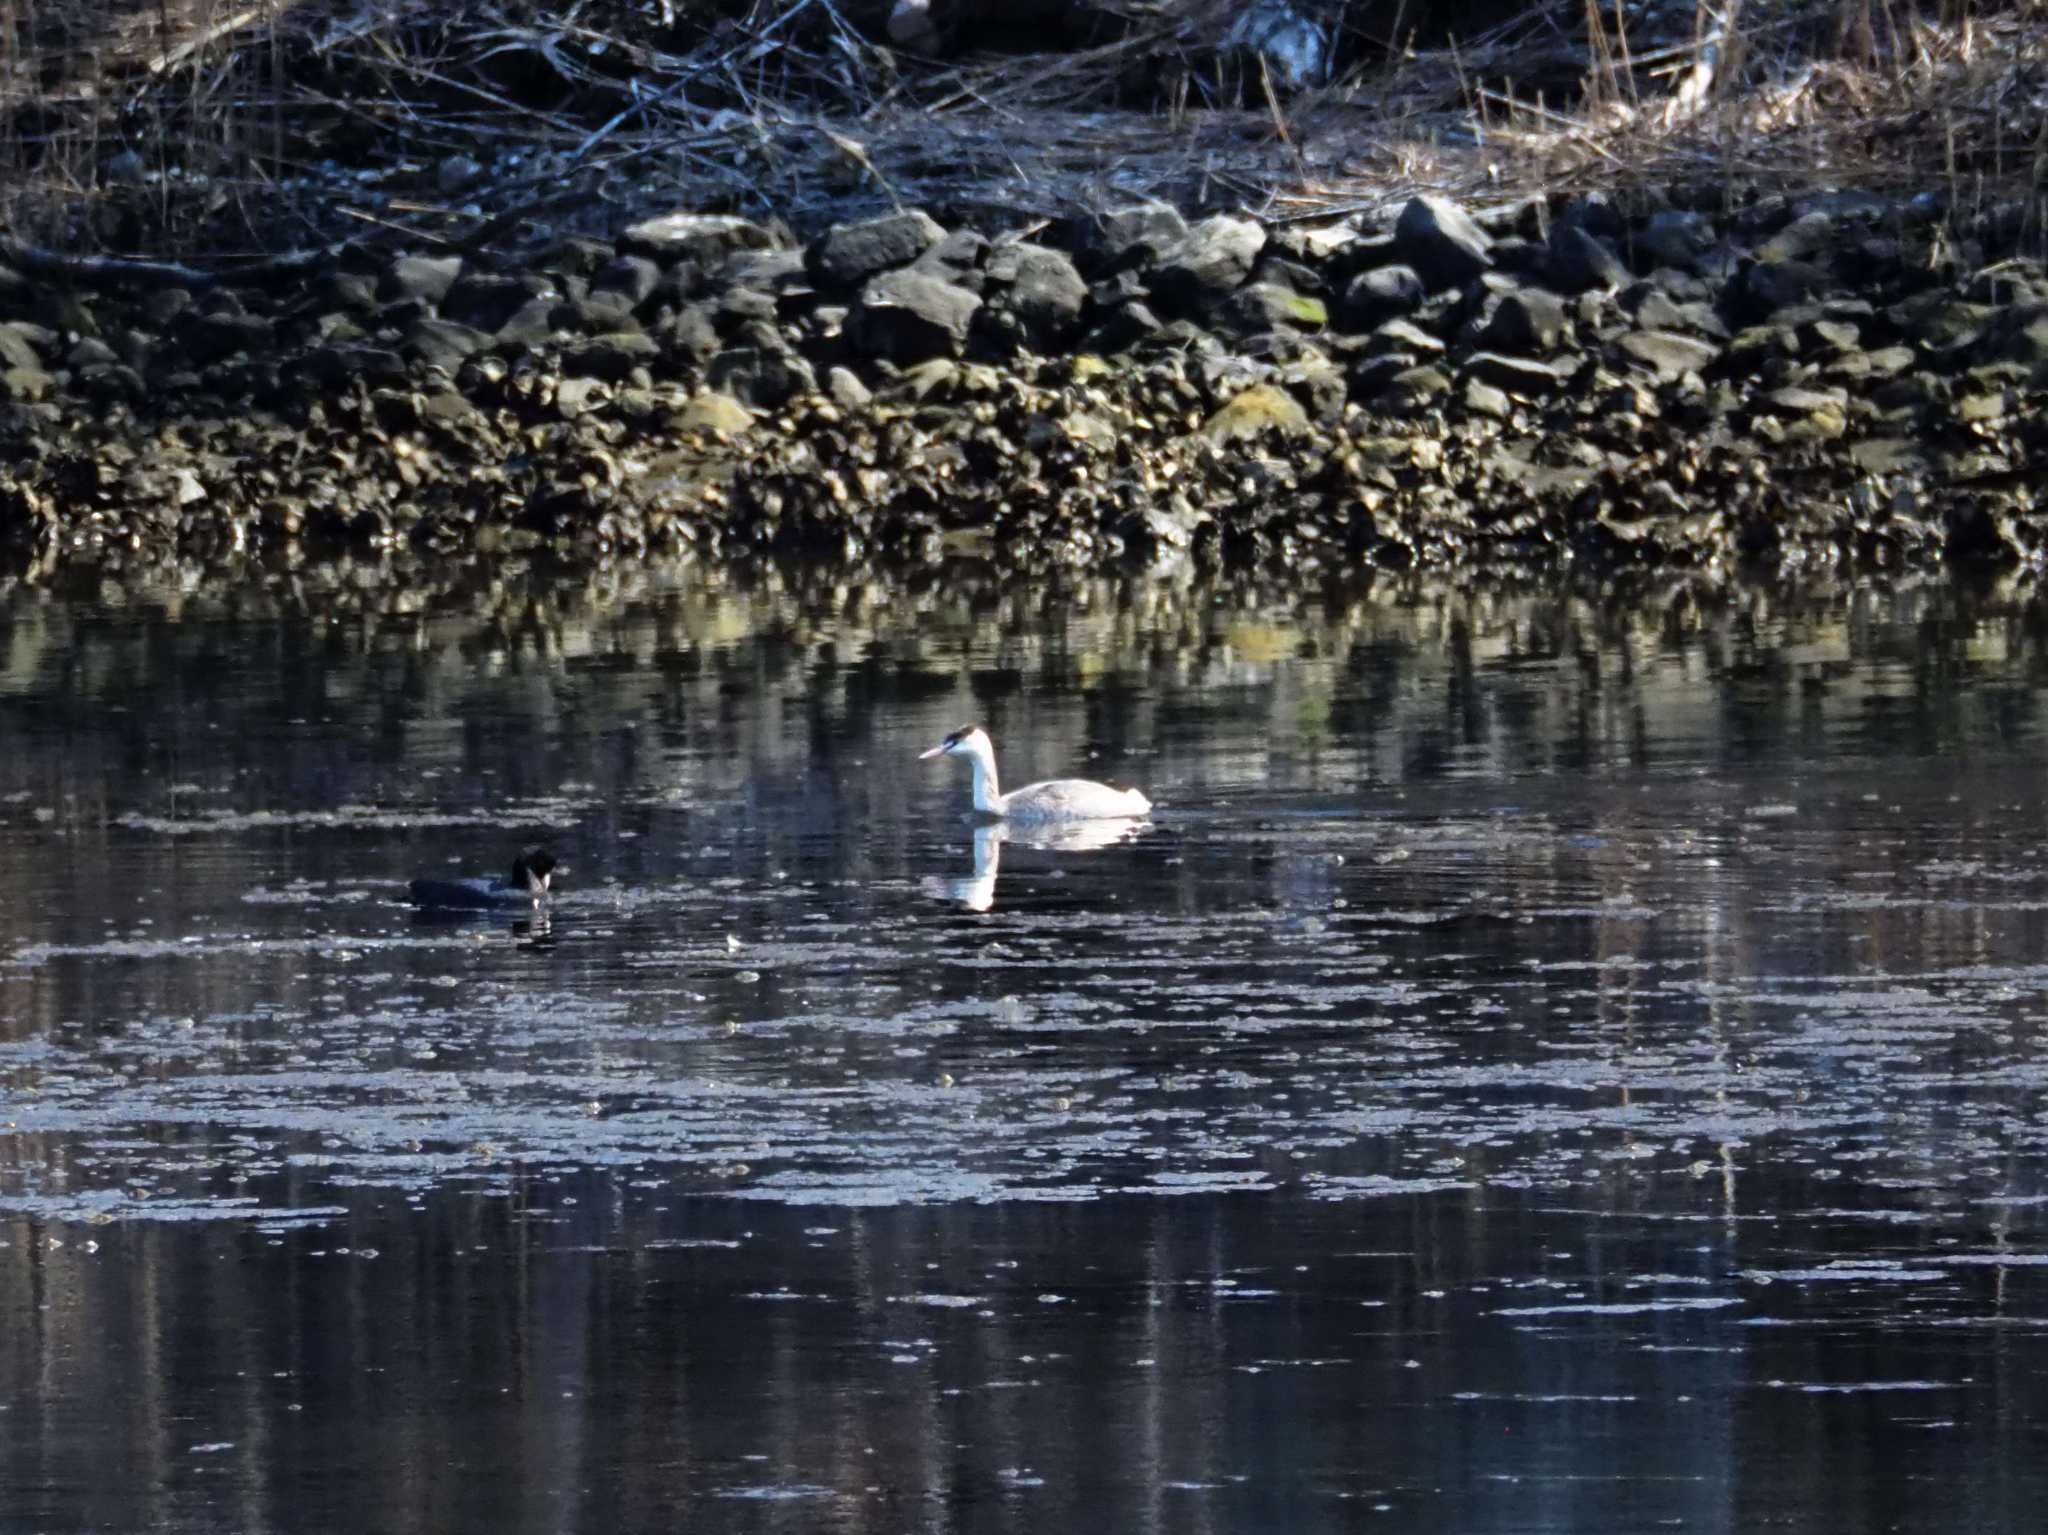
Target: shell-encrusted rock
x=1254, y=412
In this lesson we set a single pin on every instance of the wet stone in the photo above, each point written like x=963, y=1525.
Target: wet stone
x=1579, y=262
x=1528, y=320
x=1483, y=399
x=713, y=412
x=1404, y=336
x=633, y=277
x=1140, y=232
x=423, y=279
x=611, y=356
x=1253, y=412
x=761, y=377
x=1266, y=306
x=1523, y=377
x=530, y=325
x=844, y=388
x=1442, y=243
x=1666, y=353
x=1042, y=288
x=849, y=254
x=488, y=300
x=911, y=316
x=708, y=239
x=1763, y=288
x=17, y=350
x=1671, y=238
x=1210, y=261
x=444, y=343
x=1383, y=293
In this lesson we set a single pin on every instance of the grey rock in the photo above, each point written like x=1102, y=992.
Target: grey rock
x=1581, y=262
x=693, y=334
x=164, y=305
x=1419, y=384
x=1270, y=306
x=958, y=258
x=1124, y=327
x=356, y=291
x=530, y=325
x=764, y=378
x=1666, y=353
x=488, y=300
x=1143, y=232
x=1383, y=293
x=611, y=356
x=444, y=343
x=1763, y=288
x=1042, y=288
x=580, y=396
x=1523, y=377
x=1442, y=243
x=425, y=279
x=576, y=256
x=1802, y=239
x=708, y=239
x=846, y=390
x=212, y=337
x=849, y=254
x=27, y=385
x=1483, y=399
x=1671, y=238
x=16, y=348
x=911, y=316
x=1208, y=262
x=109, y=381
x=633, y=277
x=1404, y=336
x=1528, y=320
x=770, y=271
x=89, y=352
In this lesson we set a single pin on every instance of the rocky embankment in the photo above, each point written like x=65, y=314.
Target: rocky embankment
x=1821, y=378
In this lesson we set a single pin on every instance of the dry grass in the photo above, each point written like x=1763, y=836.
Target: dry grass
x=220, y=125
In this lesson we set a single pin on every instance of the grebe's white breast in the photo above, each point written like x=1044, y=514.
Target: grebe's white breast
x=1057, y=799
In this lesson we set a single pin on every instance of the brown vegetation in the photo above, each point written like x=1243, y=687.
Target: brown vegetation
x=214, y=126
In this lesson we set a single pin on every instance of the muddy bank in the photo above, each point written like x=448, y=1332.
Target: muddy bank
x=1812, y=379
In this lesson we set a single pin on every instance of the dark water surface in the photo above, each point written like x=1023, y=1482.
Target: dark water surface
x=1552, y=1064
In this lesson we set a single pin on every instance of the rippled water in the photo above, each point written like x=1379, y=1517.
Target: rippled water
x=1552, y=1063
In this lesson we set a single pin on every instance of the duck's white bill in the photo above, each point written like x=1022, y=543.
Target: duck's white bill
x=936, y=751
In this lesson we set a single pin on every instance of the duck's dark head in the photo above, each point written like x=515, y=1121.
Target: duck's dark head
x=960, y=740
x=532, y=869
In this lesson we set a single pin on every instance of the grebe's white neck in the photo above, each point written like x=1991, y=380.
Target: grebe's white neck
x=981, y=753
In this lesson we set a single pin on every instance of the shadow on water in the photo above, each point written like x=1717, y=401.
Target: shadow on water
x=1552, y=1061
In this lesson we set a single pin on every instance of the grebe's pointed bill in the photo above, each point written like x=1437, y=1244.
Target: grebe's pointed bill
x=952, y=743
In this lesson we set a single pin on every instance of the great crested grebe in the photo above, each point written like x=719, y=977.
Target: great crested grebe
x=1057, y=799
x=524, y=886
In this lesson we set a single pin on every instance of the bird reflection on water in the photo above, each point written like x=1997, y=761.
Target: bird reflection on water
x=977, y=891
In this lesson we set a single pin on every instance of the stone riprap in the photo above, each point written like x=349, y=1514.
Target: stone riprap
x=1820, y=378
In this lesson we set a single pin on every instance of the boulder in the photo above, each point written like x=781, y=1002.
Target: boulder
x=847, y=255
x=911, y=316
x=708, y=239
x=1439, y=240
x=1207, y=263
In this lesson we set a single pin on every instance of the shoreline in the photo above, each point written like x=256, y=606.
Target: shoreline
x=1832, y=380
